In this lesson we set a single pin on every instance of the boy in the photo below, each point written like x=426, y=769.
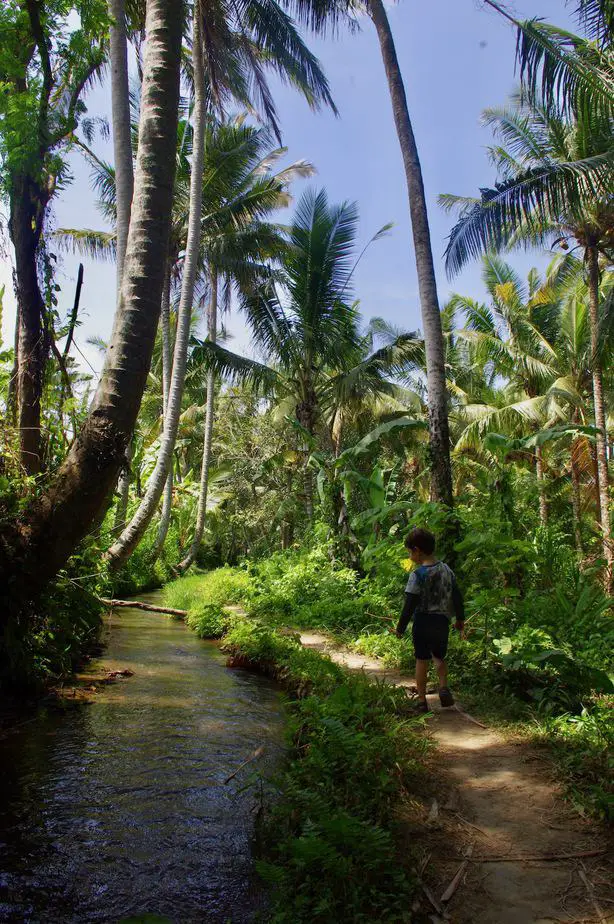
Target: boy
x=432, y=598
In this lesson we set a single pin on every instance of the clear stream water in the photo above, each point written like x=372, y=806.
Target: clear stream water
x=118, y=808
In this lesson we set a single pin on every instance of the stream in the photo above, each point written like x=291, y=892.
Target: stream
x=119, y=808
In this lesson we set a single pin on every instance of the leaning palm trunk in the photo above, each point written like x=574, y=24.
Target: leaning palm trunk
x=201, y=514
x=541, y=486
x=62, y=516
x=132, y=535
x=592, y=258
x=337, y=432
x=122, y=144
x=165, y=325
x=123, y=491
x=124, y=189
x=433, y=337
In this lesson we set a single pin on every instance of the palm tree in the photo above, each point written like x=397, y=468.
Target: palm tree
x=515, y=332
x=54, y=525
x=240, y=191
x=131, y=535
x=307, y=331
x=235, y=46
x=572, y=389
x=167, y=349
x=431, y=318
x=556, y=181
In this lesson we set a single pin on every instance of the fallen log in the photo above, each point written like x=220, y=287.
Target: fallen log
x=137, y=605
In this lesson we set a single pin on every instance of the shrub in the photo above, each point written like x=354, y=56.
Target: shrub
x=393, y=651
x=142, y=571
x=584, y=749
x=209, y=620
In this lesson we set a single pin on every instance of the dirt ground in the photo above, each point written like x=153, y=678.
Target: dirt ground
x=499, y=801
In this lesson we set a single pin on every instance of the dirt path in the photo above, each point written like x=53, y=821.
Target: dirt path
x=504, y=803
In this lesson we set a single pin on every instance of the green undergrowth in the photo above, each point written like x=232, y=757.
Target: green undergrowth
x=329, y=845
x=206, y=597
x=329, y=841
x=146, y=570
x=535, y=660
x=61, y=631
x=306, y=589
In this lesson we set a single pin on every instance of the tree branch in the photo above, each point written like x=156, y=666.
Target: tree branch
x=68, y=122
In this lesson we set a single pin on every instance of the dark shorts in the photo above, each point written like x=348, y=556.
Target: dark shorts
x=430, y=633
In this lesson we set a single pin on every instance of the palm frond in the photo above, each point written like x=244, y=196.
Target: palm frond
x=238, y=370
x=483, y=419
x=536, y=198
x=99, y=245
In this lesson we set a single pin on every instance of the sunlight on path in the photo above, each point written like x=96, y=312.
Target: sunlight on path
x=512, y=808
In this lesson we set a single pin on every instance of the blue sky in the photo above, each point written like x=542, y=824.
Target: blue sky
x=457, y=58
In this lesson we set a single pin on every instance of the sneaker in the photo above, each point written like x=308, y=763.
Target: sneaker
x=445, y=697
x=423, y=706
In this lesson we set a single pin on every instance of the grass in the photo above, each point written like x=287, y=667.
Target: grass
x=329, y=842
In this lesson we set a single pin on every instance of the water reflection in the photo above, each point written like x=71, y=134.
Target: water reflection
x=120, y=807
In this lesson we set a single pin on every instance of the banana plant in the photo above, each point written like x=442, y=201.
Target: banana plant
x=341, y=476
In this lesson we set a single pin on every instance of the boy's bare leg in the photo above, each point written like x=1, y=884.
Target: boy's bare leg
x=442, y=671
x=422, y=669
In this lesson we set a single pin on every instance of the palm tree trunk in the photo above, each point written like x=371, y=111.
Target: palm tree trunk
x=306, y=414
x=165, y=324
x=287, y=525
x=55, y=524
x=431, y=317
x=201, y=515
x=11, y=395
x=123, y=490
x=592, y=259
x=597, y=499
x=122, y=145
x=132, y=535
x=124, y=189
x=541, y=487
x=576, y=500
x=337, y=432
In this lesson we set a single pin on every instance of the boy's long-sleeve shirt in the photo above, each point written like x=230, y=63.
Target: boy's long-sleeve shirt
x=432, y=589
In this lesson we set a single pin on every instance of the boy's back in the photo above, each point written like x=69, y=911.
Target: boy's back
x=436, y=586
